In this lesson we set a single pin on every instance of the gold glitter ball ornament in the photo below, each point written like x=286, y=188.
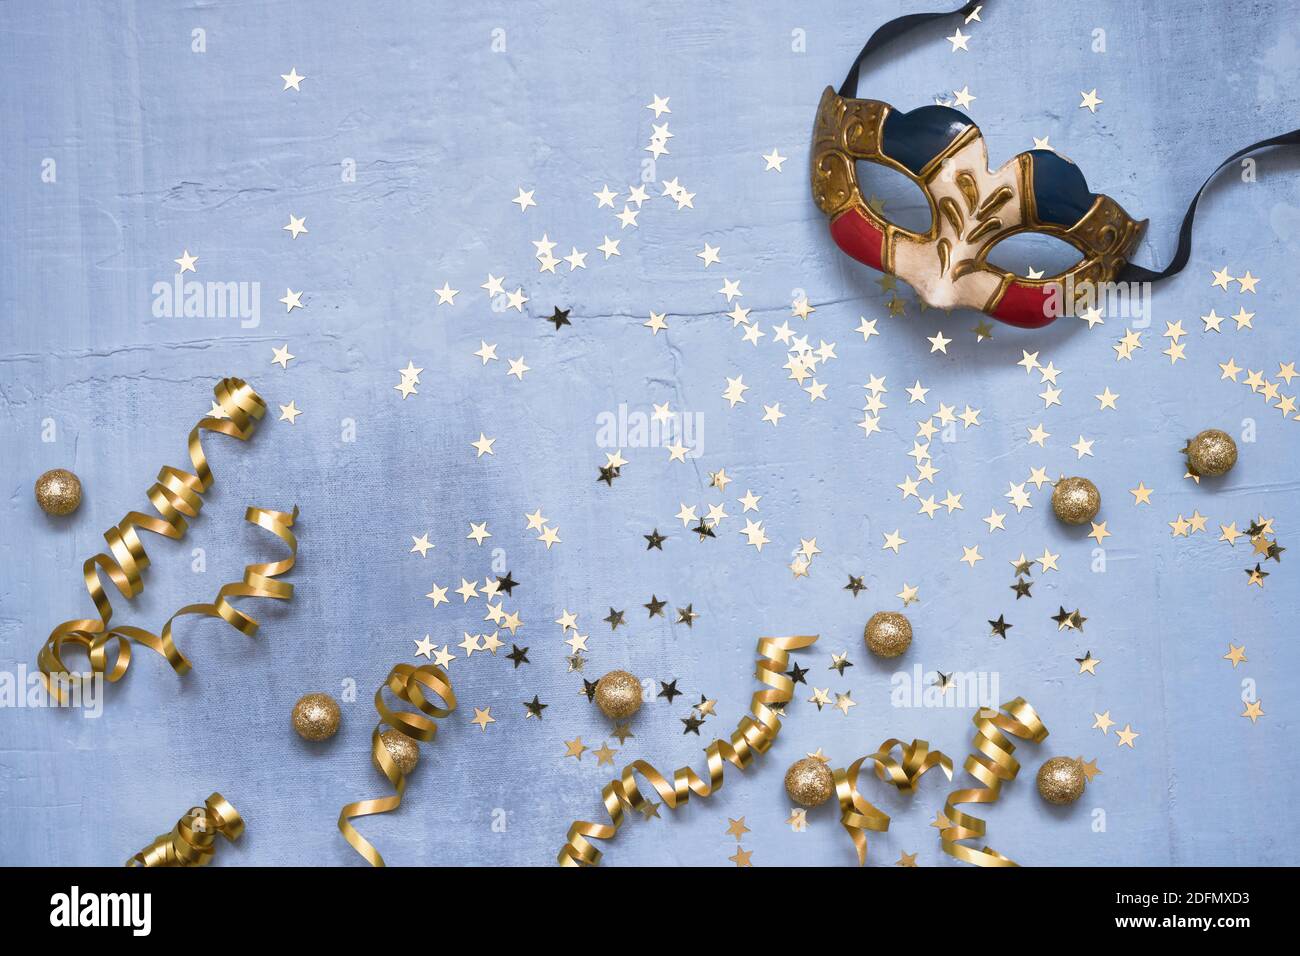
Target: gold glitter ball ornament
x=1076, y=500
x=1061, y=780
x=316, y=717
x=1211, y=453
x=404, y=751
x=888, y=634
x=58, y=492
x=618, y=695
x=809, y=782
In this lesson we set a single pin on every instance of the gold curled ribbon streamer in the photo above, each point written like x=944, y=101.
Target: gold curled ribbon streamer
x=258, y=581
x=193, y=841
x=753, y=735
x=992, y=765
x=857, y=814
x=176, y=496
x=408, y=684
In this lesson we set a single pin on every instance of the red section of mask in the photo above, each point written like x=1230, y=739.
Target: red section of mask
x=1026, y=306
x=859, y=237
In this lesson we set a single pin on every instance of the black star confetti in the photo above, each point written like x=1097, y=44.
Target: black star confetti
x=669, y=690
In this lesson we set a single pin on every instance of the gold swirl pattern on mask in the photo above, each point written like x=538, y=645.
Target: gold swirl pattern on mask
x=753, y=735
x=992, y=765
x=176, y=496
x=857, y=814
x=409, y=685
x=192, y=842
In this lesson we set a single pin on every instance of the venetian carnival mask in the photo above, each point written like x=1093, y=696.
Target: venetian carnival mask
x=972, y=208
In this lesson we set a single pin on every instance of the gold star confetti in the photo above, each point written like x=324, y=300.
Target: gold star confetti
x=741, y=857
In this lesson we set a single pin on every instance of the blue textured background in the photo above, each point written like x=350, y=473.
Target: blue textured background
x=159, y=148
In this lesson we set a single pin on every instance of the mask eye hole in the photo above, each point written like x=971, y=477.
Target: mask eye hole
x=894, y=197
x=1034, y=255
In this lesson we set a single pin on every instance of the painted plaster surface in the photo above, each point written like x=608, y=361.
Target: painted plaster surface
x=157, y=149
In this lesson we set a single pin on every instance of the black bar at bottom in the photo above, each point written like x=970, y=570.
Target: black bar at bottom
x=317, y=902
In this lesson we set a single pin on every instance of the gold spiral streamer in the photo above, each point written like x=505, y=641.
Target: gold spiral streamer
x=193, y=841
x=176, y=496
x=992, y=766
x=857, y=814
x=753, y=735
x=408, y=684
x=258, y=581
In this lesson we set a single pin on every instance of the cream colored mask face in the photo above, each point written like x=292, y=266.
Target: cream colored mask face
x=972, y=209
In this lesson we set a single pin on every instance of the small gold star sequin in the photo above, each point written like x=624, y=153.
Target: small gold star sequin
x=737, y=828
x=741, y=857
x=1090, y=769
